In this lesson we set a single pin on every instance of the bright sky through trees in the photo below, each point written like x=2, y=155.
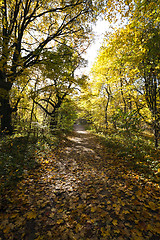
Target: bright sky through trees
x=80, y=119
x=99, y=30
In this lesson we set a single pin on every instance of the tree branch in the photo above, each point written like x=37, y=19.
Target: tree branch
x=46, y=111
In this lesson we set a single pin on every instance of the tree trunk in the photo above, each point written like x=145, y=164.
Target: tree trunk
x=5, y=108
x=54, y=115
x=106, y=112
x=6, y=120
x=156, y=133
x=108, y=91
x=54, y=120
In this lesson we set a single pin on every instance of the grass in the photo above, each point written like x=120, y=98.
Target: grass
x=18, y=155
x=137, y=149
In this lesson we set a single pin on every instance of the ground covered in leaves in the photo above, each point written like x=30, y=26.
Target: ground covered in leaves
x=81, y=191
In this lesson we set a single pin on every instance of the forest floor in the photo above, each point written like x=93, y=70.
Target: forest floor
x=81, y=191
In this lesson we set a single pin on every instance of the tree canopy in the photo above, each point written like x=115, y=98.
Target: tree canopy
x=125, y=75
x=81, y=160
x=30, y=27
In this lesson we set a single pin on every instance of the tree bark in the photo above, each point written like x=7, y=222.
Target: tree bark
x=156, y=133
x=6, y=112
x=108, y=91
x=54, y=115
x=123, y=99
x=54, y=121
x=5, y=108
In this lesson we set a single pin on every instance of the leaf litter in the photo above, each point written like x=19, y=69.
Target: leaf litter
x=81, y=191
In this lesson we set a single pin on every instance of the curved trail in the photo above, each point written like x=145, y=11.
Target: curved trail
x=109, y=201
x=83, y=192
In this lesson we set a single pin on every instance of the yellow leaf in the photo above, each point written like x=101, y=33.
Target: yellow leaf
x=14, y=215
x=93, y=209
x=152, y=206
x=125, y=211
x=40, y=238
x=78, y=227
x=117, y=208
x=114, y=222
x=59, y=221
x=31, y=215
x=105, y=232
x=51, y=215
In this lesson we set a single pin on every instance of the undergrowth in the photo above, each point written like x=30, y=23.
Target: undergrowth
x=137, y=149
x=18, y=155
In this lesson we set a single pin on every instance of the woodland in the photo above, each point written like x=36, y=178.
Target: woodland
x=79, y=153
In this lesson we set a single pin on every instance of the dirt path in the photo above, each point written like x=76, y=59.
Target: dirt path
x=83, y=192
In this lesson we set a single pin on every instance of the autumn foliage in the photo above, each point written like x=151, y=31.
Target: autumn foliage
x=79, y=154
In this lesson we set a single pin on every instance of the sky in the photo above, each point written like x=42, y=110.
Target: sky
x=91, y=53
x=99, y=30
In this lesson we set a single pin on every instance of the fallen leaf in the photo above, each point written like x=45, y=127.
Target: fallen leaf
x=31, y=215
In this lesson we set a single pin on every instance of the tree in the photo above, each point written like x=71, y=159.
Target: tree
x=129, y=61
x=109, y=74
x=29, y=27
x=59, y=81
x=146, y=25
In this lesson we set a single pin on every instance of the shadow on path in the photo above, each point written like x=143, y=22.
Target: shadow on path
x=83, y=192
